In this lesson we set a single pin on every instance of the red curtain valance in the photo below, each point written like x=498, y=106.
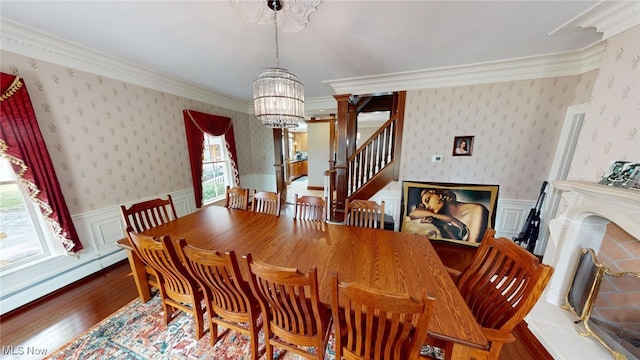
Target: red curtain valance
x=196, y=125
x=22, y=143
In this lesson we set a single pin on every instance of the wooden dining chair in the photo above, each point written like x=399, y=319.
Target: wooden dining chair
x=292, y=313
x=266, y=202
x=237, y=198
x=148, y=214
x=145, y=215
x=229, y=300
x=309, y=207
x=178, y=290
x=501, y=285
x=372, y=324
x=365, y=213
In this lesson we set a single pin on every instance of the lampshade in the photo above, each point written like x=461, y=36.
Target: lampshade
x=278, y=98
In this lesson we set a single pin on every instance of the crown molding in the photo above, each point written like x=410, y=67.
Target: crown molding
x=33, y=43
x=535, y=67
x=607, y=17
x=30, y=42
x=320, y=106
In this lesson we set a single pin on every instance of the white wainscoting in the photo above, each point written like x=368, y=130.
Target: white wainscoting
x=98, y=231
x=391, y=205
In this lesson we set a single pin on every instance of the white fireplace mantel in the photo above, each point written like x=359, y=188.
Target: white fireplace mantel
x=584, y=211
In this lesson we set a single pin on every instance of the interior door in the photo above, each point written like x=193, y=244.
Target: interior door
x=560, y=167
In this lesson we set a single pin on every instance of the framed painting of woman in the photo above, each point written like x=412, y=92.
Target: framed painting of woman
x=445, y=211
x=463, y=145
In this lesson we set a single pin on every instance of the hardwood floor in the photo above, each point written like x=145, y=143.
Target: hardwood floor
x=54, y=320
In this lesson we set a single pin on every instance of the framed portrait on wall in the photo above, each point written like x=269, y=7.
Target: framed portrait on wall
x=458, y=213
x=463, y=145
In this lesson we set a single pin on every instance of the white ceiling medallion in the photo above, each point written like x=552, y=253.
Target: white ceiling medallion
x=293, y=16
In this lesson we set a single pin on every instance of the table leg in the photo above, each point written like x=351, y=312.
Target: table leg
x=456, y=351
x=139, y=276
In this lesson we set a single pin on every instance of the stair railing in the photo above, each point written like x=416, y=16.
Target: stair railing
x=372, y=157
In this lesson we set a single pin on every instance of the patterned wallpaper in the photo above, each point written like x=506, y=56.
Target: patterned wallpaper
x=262, y=145
x=112, y=142
x=612, y=121
x=106, y=137
x=515, y=124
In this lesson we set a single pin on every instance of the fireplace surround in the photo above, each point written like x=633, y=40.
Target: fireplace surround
x=584, y=211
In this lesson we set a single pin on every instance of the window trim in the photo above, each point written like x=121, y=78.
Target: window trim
x=227, y=165
x=42, y=229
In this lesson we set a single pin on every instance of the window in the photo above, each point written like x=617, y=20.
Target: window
x=215, y=169
x=23, y=231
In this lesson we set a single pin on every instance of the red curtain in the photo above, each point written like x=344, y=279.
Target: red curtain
x=22, y=143
x=196, y=125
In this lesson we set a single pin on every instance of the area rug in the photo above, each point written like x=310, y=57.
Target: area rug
x=138, y=332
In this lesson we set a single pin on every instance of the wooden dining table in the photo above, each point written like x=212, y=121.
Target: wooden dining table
x=386, y=260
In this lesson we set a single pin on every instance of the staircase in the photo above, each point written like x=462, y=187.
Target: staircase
x=360, y=173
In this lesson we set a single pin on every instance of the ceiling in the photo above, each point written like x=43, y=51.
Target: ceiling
x=208, y=44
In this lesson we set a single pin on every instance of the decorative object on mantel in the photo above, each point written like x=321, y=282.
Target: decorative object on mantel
x=608, y=327
x=622, y=174
x=278, y=96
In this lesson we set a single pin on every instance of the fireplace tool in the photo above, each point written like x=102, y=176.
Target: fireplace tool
x=531, y=229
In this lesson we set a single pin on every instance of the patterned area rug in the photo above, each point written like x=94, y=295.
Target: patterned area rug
x=137, y=331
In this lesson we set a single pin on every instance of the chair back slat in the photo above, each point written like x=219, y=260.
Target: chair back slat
x=266, y=202
x=161, y=256
x=371, y=324
x=148, y=214
x=237, y=198
x=177, y=288
x=502, y=283
x=220, y=274
x=365, y=213
x=291, y=306
x=284, y=291
x=228, y=297
x=308, y=207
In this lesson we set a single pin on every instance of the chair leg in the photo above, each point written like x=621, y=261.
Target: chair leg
x=168, y=311
x=254, y=340
x=320, y=352
x=267, y=344
x=494, y=351
x=197, y=315
x=213, y=331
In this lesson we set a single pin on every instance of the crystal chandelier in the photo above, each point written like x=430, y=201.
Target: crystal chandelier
x=278, y=96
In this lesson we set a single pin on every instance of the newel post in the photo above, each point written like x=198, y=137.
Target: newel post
x=341, y=169
x=279, y=164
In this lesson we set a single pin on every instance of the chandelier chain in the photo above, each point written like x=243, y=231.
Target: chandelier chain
x=275, y=25
x=278, y=96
